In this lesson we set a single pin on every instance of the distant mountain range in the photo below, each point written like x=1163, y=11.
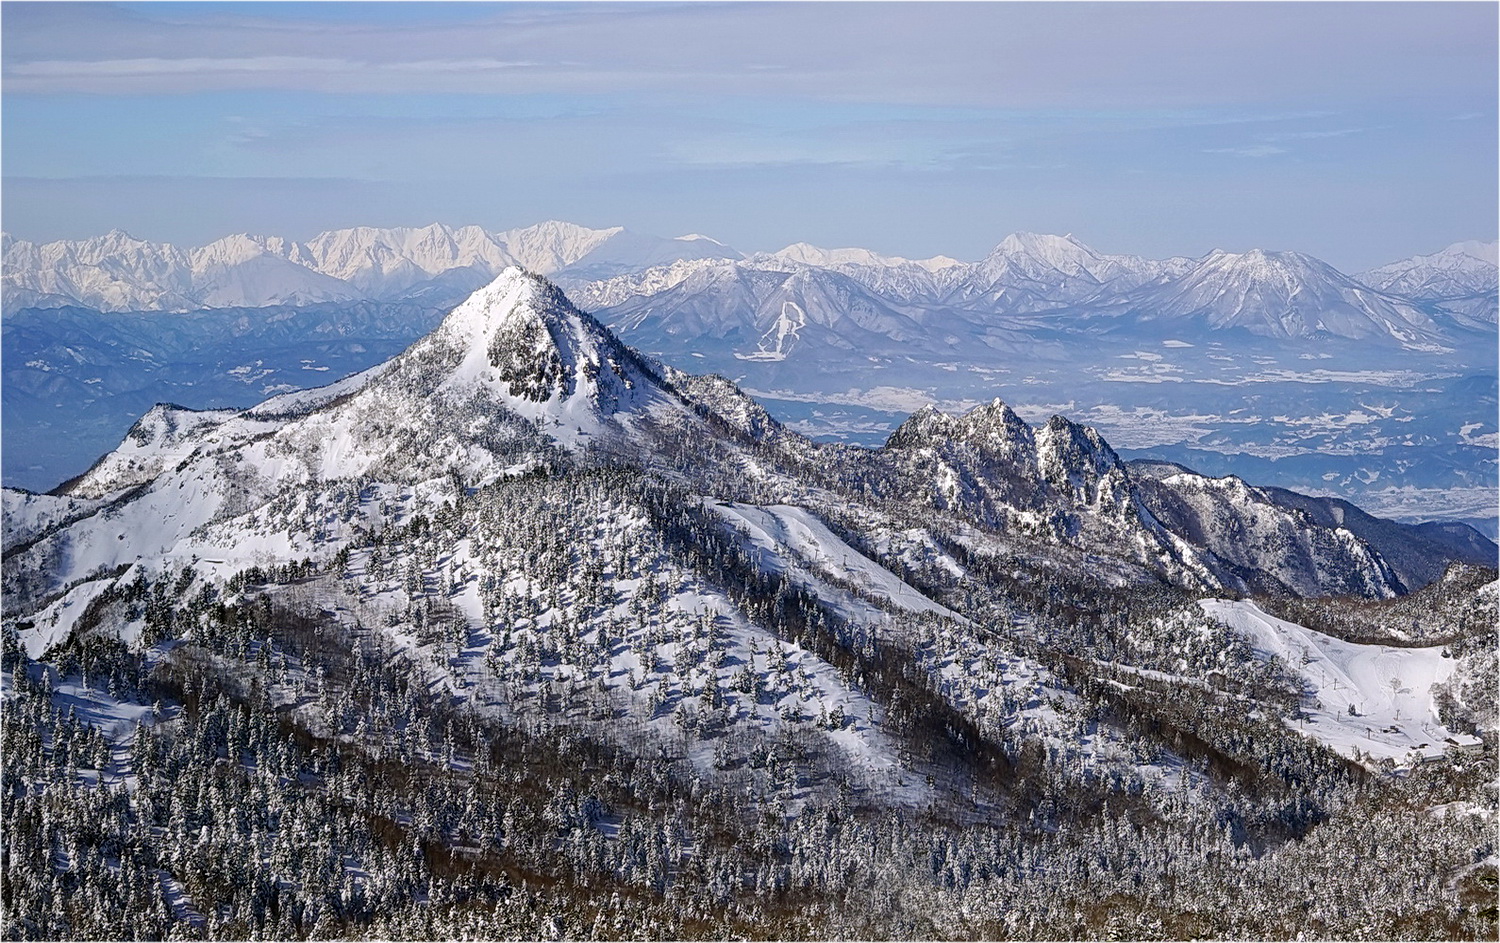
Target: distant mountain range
x=694, y=284
x=1037, y=284
x=117, y=272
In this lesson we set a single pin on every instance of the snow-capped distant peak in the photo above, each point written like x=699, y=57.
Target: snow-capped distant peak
x=1464, y=272
x=1285, y=294
x=939, y=262
x=1265, y=262
x=1043, y=244
x=808, y=254
x=1474, y=249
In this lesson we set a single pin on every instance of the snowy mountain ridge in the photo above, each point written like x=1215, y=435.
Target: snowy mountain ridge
x=1461, y=279
x=117, y=272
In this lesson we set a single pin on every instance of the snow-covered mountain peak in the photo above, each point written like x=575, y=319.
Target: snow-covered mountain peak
x=515, y=298
x=1464, y=275
x=922, y=428
x=163, y=437
x=553, y=245
x=242, y=247
x=809, y=254
x=1059, y=268
x=867, y=263
x=1286, y=294
x=992, y=429
x=520, y=338
x=116, y=245
x=1265, y=262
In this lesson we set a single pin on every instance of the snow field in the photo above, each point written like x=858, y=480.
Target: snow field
x=1388, y=688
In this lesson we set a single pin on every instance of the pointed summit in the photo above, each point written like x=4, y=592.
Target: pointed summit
x=521, y=335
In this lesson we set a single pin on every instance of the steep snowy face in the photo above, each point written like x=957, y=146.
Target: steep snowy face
x=1285, y=295
x=519, y=348
x=257, y=271
x=382, y=261
x=1074, y=457
x=521, y=336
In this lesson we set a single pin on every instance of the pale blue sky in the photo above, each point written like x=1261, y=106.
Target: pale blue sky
x=1357, y=132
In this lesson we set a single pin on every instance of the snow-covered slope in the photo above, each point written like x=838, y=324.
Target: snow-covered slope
x=793, y=542
x=1376, y=700
x=27, y=515
x=159, y=440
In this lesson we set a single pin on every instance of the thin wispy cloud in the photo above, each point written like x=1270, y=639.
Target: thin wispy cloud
x=1315, y=135
x=280, y=65
x=1249, y=150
